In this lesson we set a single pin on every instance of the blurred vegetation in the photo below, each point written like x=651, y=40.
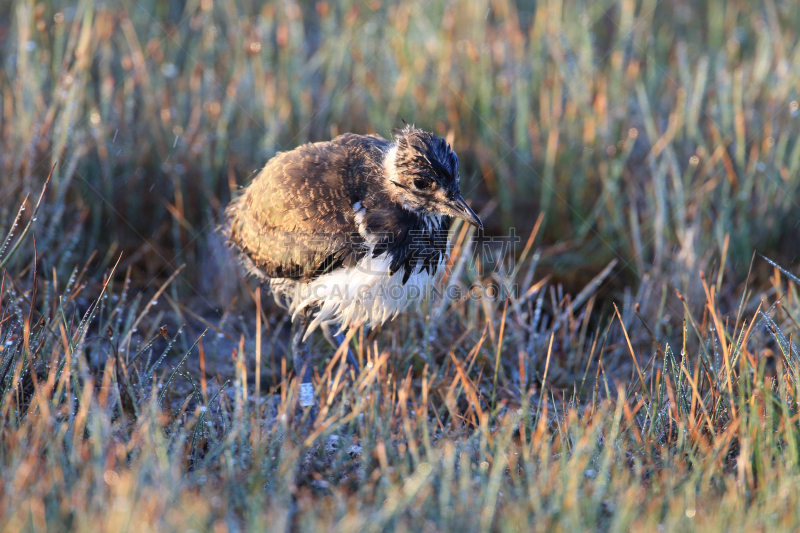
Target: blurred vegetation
x=656, y=139
x=645, y=131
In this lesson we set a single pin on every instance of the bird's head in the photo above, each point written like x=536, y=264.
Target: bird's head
x=422, y=175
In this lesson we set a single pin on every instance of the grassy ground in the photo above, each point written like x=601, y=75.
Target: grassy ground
x=642, y=375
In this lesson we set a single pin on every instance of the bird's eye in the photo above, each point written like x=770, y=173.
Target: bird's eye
x=422, y=183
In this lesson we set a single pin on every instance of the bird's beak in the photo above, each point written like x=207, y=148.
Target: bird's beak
x=459, y=208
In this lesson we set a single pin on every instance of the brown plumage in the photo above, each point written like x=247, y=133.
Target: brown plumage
x=296, y=219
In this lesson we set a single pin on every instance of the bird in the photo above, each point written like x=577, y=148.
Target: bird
x=348, y=231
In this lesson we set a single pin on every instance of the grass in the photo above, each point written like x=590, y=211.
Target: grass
x=644, y=375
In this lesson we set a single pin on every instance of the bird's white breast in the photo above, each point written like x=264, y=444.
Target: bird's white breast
x=366, y=293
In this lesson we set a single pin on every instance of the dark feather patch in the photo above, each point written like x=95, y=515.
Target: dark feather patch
x=297, y=218
x=423, y=154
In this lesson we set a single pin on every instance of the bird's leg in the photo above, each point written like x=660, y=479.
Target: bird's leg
x=336, y=341
x=350, y=357
x=302, y=361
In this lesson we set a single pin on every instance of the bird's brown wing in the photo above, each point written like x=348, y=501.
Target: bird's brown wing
x=296, y=219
